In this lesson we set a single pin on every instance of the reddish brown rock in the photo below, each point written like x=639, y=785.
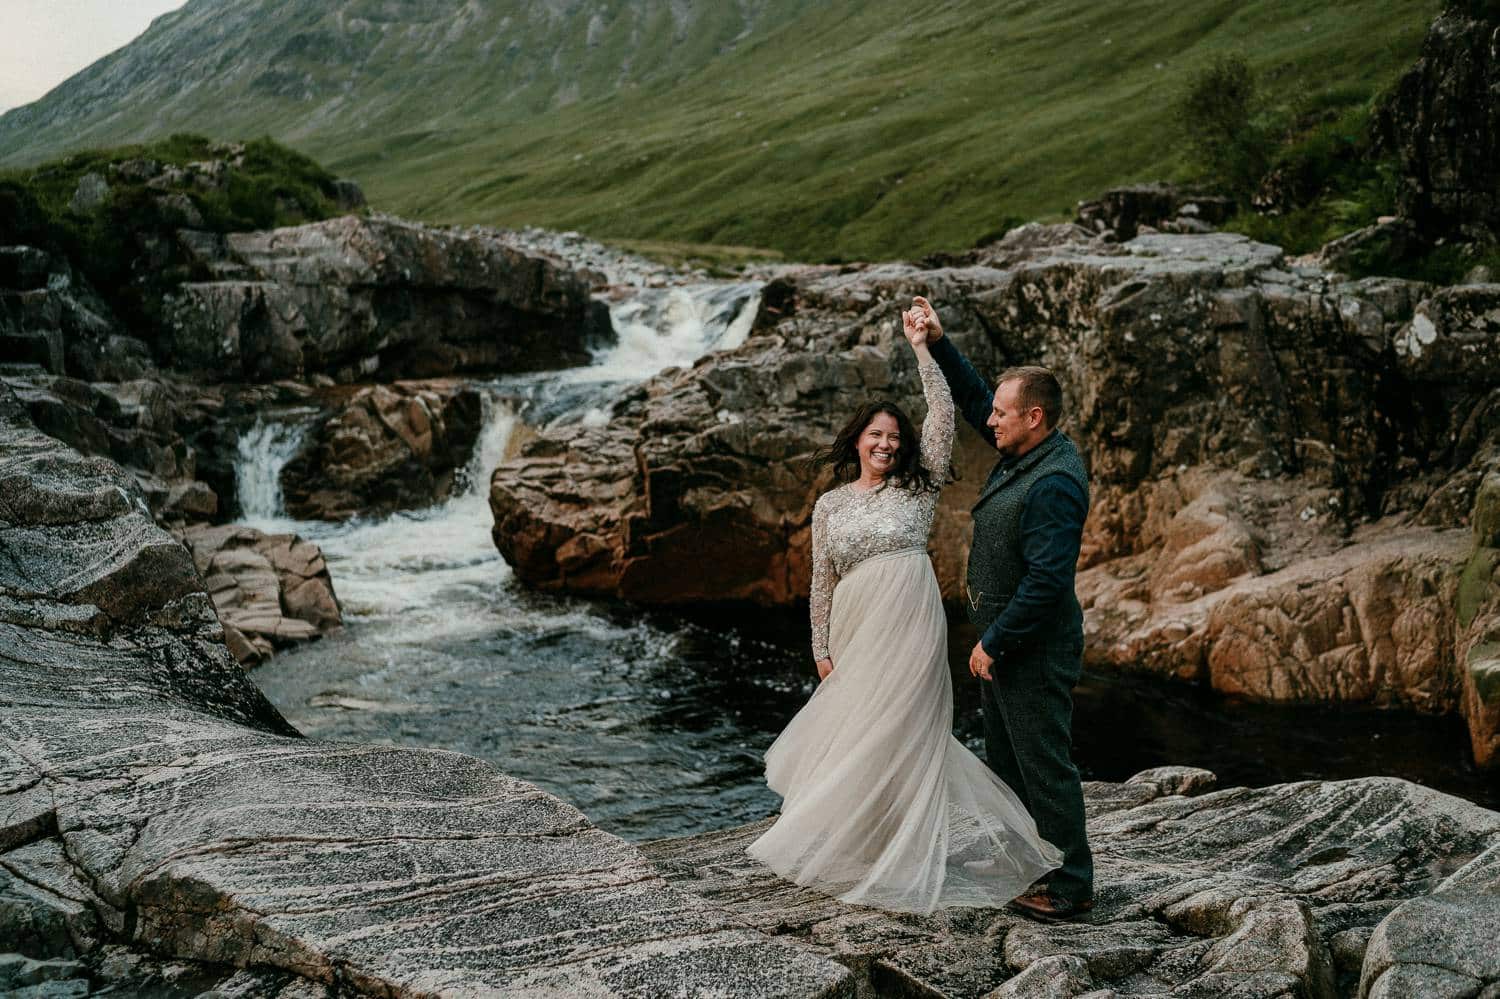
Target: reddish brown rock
x=388, y=447
x=269, y=590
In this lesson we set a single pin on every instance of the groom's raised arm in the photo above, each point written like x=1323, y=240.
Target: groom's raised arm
x=972, y=395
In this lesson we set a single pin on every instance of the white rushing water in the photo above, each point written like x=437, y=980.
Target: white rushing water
x=264, y=450
x=659, y=328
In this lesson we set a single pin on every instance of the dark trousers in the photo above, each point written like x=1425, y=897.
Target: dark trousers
x=1028, y=739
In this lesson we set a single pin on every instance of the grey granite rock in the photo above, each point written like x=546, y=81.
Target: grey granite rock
x=1236, y=892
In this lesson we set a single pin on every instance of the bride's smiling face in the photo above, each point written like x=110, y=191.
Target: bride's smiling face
x=878, y=446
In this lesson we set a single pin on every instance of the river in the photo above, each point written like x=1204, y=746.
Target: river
x=654, y=723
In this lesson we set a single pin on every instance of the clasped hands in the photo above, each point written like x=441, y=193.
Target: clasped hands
x=920, y=322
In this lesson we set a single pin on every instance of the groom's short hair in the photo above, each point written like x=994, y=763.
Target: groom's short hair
x=1038, y=387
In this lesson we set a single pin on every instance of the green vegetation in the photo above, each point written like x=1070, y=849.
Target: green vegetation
x=265, y=185
x=1307, y=173
x=832, y=131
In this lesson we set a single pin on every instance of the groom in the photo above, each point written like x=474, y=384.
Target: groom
x=1028, y=525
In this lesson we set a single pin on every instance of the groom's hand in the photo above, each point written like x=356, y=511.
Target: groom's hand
x=980, y=662
x=927, y=317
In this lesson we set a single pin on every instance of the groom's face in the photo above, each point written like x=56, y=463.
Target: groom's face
x=1017, y=428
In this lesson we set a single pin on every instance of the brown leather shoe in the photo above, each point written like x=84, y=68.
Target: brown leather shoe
x=1050, y=908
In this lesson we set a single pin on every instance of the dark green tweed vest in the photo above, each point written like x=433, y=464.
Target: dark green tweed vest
x=995, y=562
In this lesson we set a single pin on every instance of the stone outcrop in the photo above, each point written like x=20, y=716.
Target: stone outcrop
x=1372, y=886
x=163, y=827
x=135, y=423
x=51, y=319
x=1443, y=124
x=373, y=299
x=385, y=448
x=1283, y=460
x=269, y=590
x=1122, y=213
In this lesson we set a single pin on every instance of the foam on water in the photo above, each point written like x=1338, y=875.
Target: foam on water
x=263, y=452
x=659, y=328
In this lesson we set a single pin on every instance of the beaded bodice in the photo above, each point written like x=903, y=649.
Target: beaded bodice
x=851, y=524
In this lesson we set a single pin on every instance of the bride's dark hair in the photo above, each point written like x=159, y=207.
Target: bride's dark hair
x=908, y=472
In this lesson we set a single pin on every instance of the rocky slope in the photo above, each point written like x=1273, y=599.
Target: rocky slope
x=161, y=826
x=1372, y=887
x=1284, y=461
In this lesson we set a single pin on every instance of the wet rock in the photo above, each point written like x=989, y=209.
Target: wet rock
x=269, y=590
x=388, y=447
x=1477, y=626
x=1198, y=893
x=377, y=298
x=210, y=836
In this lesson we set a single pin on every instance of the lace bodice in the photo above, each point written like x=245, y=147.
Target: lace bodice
x=850, y=524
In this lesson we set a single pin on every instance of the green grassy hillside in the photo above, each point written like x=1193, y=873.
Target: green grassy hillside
x=829, y=131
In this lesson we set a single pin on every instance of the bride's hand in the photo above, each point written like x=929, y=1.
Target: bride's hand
x=928, y=318
x=914, y=326
x=825, y=666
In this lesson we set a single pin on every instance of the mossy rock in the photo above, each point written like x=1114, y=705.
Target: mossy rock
x=1486, y=515
x=1484, y=669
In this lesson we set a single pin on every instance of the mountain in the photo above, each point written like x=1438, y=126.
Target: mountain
x=823, y=130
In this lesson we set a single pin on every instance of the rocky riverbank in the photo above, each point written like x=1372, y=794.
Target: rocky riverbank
x=164, y=829
x=1287, y=463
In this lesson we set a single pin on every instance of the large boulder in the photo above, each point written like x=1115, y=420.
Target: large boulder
x=162, y=826
x=269, y=590
x=376, y=298
x=51, y=318
x=135, y=423
x=1443, y=123
x=384, y=448
x=1299, y=890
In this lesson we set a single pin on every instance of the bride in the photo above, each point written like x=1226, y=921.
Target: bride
x=881, y=805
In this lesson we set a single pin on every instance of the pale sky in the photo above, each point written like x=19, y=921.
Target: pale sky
x=43, y=42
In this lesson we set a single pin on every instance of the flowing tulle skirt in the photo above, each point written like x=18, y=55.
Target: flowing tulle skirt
x=881, y=804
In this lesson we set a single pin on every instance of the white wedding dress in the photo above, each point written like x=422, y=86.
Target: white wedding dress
x=881, y=805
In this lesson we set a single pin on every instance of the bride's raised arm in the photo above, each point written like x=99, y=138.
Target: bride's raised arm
x=937, y=428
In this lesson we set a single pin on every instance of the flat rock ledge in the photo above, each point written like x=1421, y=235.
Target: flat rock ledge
x=164, y=831
x=1374, y=887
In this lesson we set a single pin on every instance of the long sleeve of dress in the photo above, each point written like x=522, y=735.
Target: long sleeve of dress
x=937, y=429
x=820, y=597
x=974, y=396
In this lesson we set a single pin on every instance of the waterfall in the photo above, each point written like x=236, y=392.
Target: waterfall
x=658, y=328
x=264, y=450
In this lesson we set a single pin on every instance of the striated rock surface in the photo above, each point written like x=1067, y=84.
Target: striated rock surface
x=269, y=590
x=1283, y=460
x=1314, y=890
x=373, y=299
x=385, y=448
x=163, y=827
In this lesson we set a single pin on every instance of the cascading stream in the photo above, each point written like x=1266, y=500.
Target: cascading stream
x=442, y=648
